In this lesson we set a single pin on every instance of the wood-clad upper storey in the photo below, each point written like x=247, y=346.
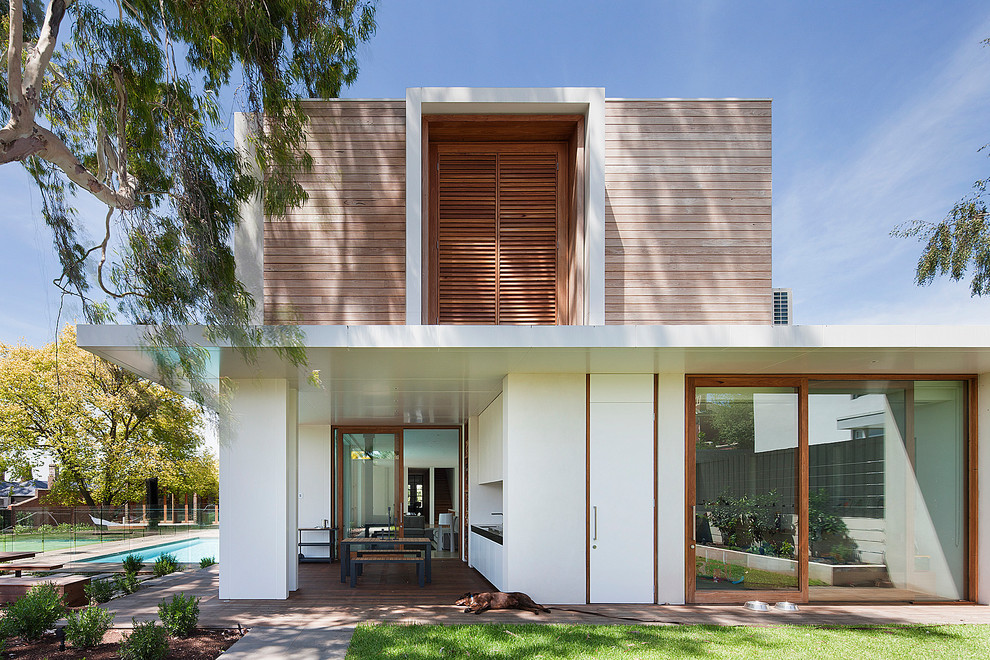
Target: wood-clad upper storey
x=340, y=258
x=687, y=211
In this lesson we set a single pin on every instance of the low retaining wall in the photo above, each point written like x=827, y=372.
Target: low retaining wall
x=837, y=575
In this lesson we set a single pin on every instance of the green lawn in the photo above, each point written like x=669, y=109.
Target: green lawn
x=553, y=642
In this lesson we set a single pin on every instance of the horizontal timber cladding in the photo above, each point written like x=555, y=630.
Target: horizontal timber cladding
x=687, y=211
x=340, y=257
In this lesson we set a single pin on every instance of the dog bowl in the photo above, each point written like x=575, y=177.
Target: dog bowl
x=756, y=606
x=785, y=606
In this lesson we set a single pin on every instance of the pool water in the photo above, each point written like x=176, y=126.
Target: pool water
x=187, y=551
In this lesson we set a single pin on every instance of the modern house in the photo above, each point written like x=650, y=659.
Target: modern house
x=546, y=317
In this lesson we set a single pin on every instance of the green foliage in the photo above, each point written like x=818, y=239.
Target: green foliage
x=827, y=532
x=33, y=613
x=100, y=591
x=107, y=429
x=749, y=522
x=133, y=563
x=206, y=562
x=180, y=615
x=87, y=626
x=165, y=564
x=727, y=420
x=147, y=641
x=146, y=135
x=126, y=583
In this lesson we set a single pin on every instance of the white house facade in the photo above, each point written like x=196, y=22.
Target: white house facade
x=542, y=323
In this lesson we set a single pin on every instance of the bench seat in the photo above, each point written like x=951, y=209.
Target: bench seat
x=71, y=587
x=357, y=563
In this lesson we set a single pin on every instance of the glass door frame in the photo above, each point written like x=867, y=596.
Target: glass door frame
x=338, y=453
x=692, y=594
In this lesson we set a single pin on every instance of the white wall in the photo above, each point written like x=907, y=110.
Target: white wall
x=314, y=482
x=670, y=479
x=544, y=488
x=254, y=479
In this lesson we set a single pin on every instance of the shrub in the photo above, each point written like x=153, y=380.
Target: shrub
x=179, y=616
x=33, y=613
x=100, y=591
x=86, y=627
x=126, y=583
x=207, y=561
x=166, y=564
x=133, y=563
x=147, y=641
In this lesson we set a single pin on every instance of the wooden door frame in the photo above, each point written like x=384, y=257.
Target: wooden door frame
x=801, y=383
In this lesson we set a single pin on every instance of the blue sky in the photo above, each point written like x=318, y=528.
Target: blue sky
x=878, y=112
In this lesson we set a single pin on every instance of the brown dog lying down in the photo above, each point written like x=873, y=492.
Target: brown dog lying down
x=486, y=600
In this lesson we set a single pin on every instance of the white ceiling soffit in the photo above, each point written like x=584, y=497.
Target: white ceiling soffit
x=441, y=374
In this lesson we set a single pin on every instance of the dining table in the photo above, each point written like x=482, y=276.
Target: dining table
x=348, y=545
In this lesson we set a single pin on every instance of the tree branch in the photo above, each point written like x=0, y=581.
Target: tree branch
x=15, y=40
x=38, y=61
x=124, y=185
x=59, y=155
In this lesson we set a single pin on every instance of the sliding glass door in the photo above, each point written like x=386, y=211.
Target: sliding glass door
x=829, y=489
x=746, y=519
x=370, y=466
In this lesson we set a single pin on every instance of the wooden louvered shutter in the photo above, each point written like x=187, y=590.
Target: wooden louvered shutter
x=527, y=239
x=466, y=239
x=498, y=219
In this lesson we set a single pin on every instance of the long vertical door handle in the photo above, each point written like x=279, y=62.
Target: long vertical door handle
x=595, y=537
x=694, y=523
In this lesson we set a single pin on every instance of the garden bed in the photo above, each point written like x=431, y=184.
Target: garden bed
x=203, y=644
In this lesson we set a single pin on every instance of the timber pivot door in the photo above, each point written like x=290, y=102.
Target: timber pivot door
x=498, y=233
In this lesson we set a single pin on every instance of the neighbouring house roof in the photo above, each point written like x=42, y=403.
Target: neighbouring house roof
x=27, y=488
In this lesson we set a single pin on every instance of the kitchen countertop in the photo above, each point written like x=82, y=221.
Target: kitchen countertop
x=490, y=532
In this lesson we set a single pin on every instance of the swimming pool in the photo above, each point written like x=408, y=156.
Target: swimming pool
x=188, y=551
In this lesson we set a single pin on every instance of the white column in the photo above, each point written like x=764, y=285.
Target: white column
x=249, y=236
x=253, y=484
x=983, y=504
x=670, y=495
x=414, y=206
x=544, y=431
x=292, y=489
x=595, y=208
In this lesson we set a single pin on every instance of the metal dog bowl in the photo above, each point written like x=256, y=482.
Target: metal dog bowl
x=756, y=606
x=785, y=606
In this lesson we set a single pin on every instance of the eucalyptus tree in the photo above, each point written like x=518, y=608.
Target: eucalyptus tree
x=120, y=100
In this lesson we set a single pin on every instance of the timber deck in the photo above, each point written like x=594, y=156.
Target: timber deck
x=392, y=595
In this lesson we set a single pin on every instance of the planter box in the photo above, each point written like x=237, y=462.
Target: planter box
x=837, y=575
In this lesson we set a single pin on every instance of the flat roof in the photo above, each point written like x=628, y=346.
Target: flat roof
x=441, y=374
